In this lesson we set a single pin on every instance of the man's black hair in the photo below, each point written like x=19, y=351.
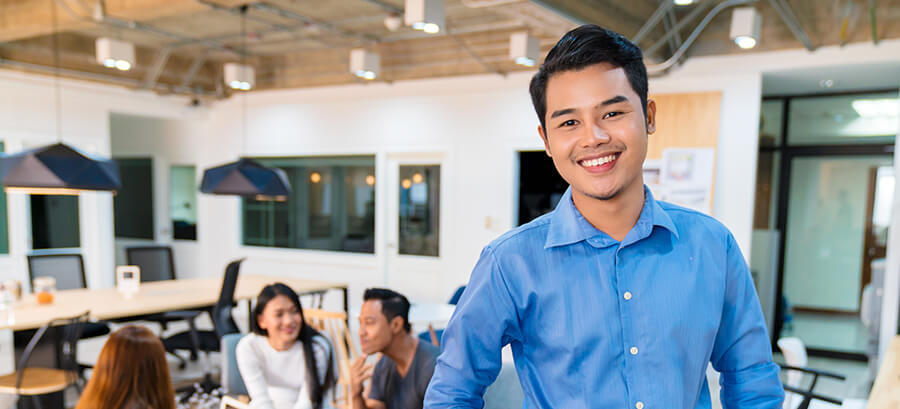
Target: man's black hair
x=393, y=304
x=585, y=46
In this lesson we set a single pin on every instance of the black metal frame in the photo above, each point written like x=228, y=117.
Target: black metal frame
x=44, y=256
x=788, y=153
x=808, y=394
x=67, y=348
x=131, y=250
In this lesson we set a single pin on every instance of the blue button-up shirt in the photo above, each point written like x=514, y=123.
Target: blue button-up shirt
x=597, y=323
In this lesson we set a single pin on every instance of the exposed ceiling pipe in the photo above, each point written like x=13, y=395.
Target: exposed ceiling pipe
x=693, y=15
x=652, y=21
x=790, y=20
x=386, y=6
x=663, y=67
x=477, y=4
x=304, y=19
x=126, y=82
x=135, y=25
x=671, y=21
x=476, y=57
x=152, y=75
x=193, y=69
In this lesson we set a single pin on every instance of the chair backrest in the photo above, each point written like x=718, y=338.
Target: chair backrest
x=333, y=325
x=794, y=352
x=457, y=295
x=223, y=323
x=70, y=332
x=67, y=269
x=231, y=374
x=156, y=262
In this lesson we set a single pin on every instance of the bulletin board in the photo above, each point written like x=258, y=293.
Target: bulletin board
x=680, y=165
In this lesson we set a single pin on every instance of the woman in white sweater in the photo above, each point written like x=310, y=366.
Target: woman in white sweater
x=285, y=363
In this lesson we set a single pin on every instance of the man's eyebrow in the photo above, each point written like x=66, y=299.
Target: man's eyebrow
x=614, y=100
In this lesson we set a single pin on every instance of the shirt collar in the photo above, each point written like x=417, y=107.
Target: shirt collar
x=568, y=226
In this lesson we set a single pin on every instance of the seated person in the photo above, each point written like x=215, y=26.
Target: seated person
x=131, y=373
x=400, y=378
x=285, y=363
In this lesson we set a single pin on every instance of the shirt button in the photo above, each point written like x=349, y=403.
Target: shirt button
x=627, y=295
x=634, y=351
x=639, y=405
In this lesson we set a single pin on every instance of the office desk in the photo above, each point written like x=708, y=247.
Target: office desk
x=153, y=297
x=886, y=391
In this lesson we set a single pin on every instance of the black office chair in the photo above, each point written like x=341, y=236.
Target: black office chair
x=156, y=264
x=68, y=270
x=35, y=381
x=195, y=340
x=808, y=394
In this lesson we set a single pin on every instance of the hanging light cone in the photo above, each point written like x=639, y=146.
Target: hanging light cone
x=57, y=169
x=248, y=178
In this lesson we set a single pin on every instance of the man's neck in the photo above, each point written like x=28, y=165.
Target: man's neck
x=402, y=350
x=616, y=216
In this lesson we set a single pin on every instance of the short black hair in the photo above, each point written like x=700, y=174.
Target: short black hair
x=393, y=304
x=585, y=46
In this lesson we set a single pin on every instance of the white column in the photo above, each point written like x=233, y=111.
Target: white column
x=891, y=300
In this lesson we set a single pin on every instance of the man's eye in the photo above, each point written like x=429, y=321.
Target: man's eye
x=611, y=114
x=570, y=122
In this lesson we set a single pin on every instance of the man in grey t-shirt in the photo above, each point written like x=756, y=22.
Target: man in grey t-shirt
x=400, y=378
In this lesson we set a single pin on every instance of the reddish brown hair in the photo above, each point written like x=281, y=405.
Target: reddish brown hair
x=131, y=373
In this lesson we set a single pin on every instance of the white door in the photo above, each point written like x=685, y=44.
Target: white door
x=415, y=244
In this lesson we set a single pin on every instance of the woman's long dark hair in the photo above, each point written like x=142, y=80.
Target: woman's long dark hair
x=307, y=333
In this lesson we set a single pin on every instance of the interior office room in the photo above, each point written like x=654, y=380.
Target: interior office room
x=409, y=144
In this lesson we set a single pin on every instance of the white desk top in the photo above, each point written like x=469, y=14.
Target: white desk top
x=153, y=297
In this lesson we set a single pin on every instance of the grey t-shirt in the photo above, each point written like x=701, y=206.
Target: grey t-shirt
x=399, y=392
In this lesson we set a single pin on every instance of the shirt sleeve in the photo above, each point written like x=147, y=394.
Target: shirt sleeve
x=742, y=352
x=484, y=321
x=251, y=367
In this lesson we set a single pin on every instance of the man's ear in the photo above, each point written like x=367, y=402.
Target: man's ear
x=544, y=139
x=651, y=116
x=397, y=325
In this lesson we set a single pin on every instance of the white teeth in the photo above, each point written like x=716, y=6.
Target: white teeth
x=598, y=161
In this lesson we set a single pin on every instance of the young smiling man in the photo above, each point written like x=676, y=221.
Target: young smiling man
x=613, y=300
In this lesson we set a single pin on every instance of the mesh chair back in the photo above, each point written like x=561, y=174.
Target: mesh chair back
x=156, y=262
x=223, y=323
x=67, y=269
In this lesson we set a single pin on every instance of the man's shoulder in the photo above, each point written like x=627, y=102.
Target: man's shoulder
x=533, y=232
x=689, y=220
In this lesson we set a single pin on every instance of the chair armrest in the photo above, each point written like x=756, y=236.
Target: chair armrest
x=814, y=372
x=812, y=395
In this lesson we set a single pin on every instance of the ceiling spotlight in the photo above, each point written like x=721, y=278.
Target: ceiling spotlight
x=425, y=15
x=393, y=22
x=745, y=25
x=826, y=83
x=524, y=49
x=684, y=2
x=364, y=64
x=239, y=76
x=114, y=53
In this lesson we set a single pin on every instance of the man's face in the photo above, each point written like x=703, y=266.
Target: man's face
x=375, y=331
x=596, y=131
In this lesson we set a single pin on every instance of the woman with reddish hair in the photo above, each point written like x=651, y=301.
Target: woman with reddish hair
x=131, y=373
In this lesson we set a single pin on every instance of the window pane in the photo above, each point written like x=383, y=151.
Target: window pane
x=54, y=222
x=332, y=206
x=771, y=122
x=419, y=222
x=183, y=202
x=4, y=229
x=133, y=203
x=844, y=119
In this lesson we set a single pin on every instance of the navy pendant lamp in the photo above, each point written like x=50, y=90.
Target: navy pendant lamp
x=246, y=177
x=57, y=169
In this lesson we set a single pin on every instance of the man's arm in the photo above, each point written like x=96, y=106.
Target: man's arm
x=484, y=321
x=359, y=372
x=742, y=352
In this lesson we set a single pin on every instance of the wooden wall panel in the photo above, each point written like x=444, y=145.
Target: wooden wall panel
x=685, y=121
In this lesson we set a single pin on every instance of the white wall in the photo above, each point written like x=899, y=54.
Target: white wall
x=28, y=119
